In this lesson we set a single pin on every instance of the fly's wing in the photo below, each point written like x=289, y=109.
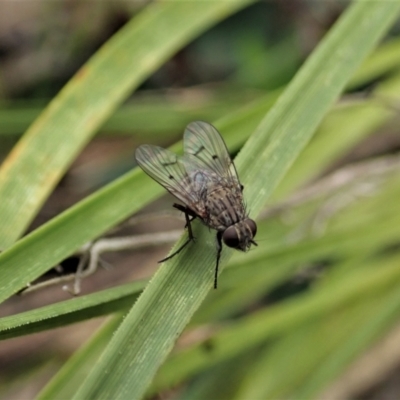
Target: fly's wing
x=168, y=170
x=204, y=142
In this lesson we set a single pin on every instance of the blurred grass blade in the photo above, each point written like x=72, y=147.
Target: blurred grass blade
x=345, y=126
x=381, y=315
x=363, y=239
x=256, y=329
x=149, y=331
x=70, y=311
x=43, y=154
x=350, y=329
x=382, y=62
x=64, y=384
x=149, y=113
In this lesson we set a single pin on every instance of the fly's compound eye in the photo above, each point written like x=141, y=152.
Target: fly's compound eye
x=230, y=237
x=252, y=225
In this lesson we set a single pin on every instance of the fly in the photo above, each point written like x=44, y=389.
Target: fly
x=206, y=181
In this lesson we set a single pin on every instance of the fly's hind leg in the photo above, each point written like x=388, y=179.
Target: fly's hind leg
x=189, y=217
x=219, y=250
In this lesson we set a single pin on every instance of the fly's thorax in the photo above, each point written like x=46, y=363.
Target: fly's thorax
x=224, y=207
x=240, y=235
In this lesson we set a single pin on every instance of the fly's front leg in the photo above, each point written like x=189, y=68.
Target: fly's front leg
x=219, y=250
x=189, y=217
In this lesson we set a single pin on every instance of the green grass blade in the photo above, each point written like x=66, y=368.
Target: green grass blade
x=335, y=337
x=103, y=209
x=258, y=328
x=149, y=331
x=70, y=311
x=147, y=114
x=46, y=150
x=382, y=62
x=359, y=241
x=380, y=316
x=64, y=384
x=108, y=206
x=344, y=127
x=316, y=86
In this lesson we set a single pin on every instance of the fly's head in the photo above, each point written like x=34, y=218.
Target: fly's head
x=240, y=235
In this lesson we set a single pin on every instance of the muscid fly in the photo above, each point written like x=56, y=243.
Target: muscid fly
x=206, y=181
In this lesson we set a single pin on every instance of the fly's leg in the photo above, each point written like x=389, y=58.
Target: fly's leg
x=188, y=213
x=189, y=217
x=219, y=250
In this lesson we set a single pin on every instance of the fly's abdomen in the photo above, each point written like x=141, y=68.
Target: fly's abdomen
x=225, y=208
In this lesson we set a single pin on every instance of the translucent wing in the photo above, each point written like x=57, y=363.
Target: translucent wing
x=204, y=142
x=169, y=170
